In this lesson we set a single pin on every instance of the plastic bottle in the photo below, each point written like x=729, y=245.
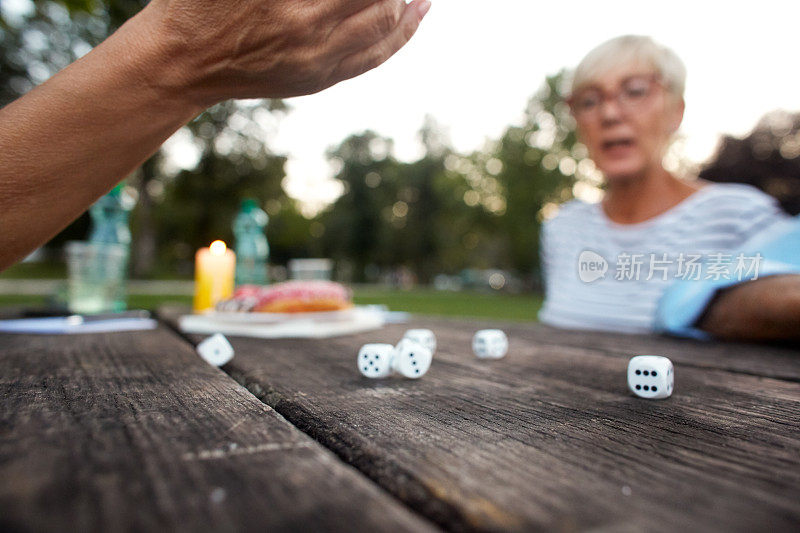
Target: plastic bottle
x=110, y=218
x=252, y=249
x=110, y=237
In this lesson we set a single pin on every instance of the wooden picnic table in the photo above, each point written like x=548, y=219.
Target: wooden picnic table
x=133, y=431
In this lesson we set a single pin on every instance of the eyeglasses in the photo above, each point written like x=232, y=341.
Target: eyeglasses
x=633, y=92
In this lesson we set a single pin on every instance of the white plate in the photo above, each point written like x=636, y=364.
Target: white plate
x=347, y=322
x=232, y=317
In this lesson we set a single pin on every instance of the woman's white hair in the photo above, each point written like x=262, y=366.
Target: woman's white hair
x=632, y=50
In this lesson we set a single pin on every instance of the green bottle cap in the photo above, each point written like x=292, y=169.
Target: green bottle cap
x=249, y=204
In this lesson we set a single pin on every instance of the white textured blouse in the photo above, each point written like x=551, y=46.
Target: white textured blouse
x=607, y=276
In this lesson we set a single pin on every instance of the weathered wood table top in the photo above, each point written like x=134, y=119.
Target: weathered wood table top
x=133, y=431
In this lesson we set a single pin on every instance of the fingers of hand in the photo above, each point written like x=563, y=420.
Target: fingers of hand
x=366, y=27
x=342, y=9
x=369, y=58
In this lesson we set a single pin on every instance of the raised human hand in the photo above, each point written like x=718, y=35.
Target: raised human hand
x=221, y=49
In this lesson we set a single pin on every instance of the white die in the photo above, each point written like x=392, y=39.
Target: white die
x=375, y=360
x=424, y=337
x=216, y=350
x=651, y=376
x=411, y=359
x=490, y=344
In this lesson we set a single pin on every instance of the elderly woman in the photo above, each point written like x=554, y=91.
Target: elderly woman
x=659, y=252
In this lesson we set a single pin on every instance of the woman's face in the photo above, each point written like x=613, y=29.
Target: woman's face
x=626, y=119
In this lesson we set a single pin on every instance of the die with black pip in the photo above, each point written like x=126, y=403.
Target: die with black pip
x=490, y=344
x=651, y=377
x=409, y=359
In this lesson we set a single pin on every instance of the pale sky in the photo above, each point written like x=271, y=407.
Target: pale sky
x=473, y=65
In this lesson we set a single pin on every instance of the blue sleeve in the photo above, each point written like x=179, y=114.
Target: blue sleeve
x=684, y=301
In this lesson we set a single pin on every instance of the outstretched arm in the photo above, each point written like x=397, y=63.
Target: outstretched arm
x=71, y=139
x=761, y=310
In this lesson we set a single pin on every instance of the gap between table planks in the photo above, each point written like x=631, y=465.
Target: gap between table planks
x=133, y=431
x=549, y=438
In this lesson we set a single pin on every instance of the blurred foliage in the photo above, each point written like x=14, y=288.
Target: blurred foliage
x=43, y=36
x=356, y=232
x=535, y=164
x=448, y=212
x=768, y=158
x=196, y=206
x=394, y=214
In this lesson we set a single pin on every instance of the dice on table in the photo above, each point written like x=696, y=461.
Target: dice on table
x=216, y=350
x=411, y=359
x=424, y=337
x=490, y=344
x=651, y=376
x=375, y=360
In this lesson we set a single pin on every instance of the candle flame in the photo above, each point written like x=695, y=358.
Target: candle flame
x=218, y=248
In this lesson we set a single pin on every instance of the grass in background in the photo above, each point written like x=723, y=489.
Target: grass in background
x=36, y=270
x=417, y=301
x=154, y=301
x=456, y=304
x=22, y=300
x=135, y=301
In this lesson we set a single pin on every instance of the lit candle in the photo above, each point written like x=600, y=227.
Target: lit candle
x=214, y=269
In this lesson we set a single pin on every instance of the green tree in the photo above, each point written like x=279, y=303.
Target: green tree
x=198, y=205
x=40, y=38
x=419, y=239
x=361, y=224
x=405, y=214
x=536, y=165
x=468, y=222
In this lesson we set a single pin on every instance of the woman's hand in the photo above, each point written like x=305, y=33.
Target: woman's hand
x=220, y=49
